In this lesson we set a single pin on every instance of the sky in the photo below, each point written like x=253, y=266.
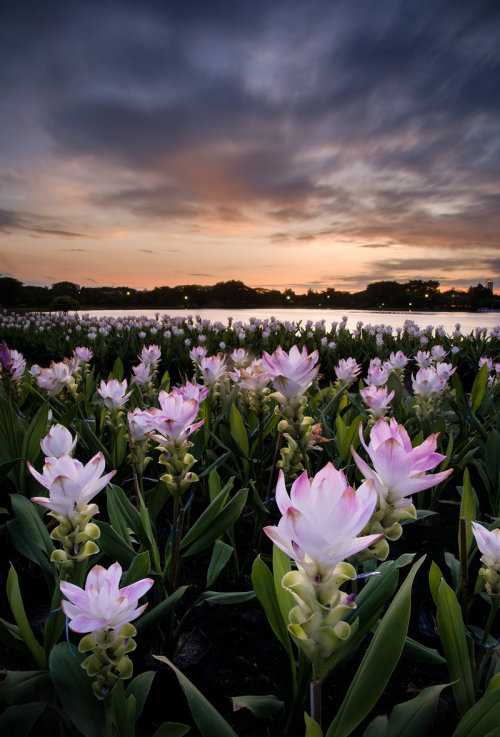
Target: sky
x=284, y=143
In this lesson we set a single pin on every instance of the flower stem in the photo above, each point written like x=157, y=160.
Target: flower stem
x=315, y=699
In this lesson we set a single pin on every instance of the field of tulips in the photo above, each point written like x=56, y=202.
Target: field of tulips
x=248, y=529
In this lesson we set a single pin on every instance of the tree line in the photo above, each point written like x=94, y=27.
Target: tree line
x=416, y=294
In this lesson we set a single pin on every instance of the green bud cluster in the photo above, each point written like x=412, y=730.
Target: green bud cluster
x=178, y=463
x=385, y=520
x=77, y=536
x=316, y=621
x=108, y=662
x=491, y=575
x=297, y=430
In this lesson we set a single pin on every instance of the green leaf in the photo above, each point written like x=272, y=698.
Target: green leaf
x=172, y=729
x=205, y=520
x=74, y=689
x=413, y=718
x=238, y=430
x=435, y=577
x=260, y=706
x=467, y=510
x=139, y=688
x=377, y=727
x=227, y=517
x=454, y=641
x=31, y=522
x=220, y=556
x=482, y=719
x=208, y=720
x=263, y=584
x=20, y=686
x=35, y=433
x=124, y=516
x=478, y=387
x=17, y=606
x=159, y=612
x=421, y=653
x=138, y=570
x=225, y=597
x=378, y=663
x=282, y=565
x=11, y=636
x=117, y=370
x=20, y=720
x=114, y=546
x=313, y=729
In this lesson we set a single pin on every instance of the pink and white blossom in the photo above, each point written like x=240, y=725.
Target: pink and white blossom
x=377, y=376
x=150, y=356
x=175, y=420
x=212, y=368
x=292, y=373
x=142, y=374
x=102, y=604
x=322, y=518
x=428, y=381
x=396, y=361
x=192, y=390
x=399, y=470
x=347, y=370
x=56, y=378
x=70, y=484
x=377, y=399
x=114, y=393
x=58, y=442
x=488, y=542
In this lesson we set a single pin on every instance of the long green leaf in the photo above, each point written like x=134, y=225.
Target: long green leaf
x=139, y=689
x=378, y=663
x=467, y=510
x=159, y=612
x=205, y=520
x=413, y=718
x=454, y=641
x=227, y=517
x=220, y=556
x=20, y=720
x=74, y=689
x=263, y=584
x=23, y=685
x=207, y=718
x=478, y=388
x=483, y=719
x=17, y=606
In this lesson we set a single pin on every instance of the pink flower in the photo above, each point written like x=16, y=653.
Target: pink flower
x=142, y=374
x=396, y=361
x=70, y=484
x=197, y=353
x=254, y=378
x=55, y=378
x=423, y=358
x=398, y=469
x=102, y=605
x=192, y=390
x=488, y=542
x=377, y=376
x=428, y=381
x=240, y=358
x=292, y=373
x=174, y=421
x=322, y=519
x=58, y=442
x=150, y=356
x=82, y=354
x=347, y=370
x=212, y=368
x=113, y=393
x=376, y=399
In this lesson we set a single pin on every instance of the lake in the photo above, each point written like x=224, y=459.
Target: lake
x=469, y=321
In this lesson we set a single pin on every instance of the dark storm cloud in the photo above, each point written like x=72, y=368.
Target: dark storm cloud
x=237, y=105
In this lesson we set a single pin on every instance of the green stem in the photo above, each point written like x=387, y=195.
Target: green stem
x=279, y=440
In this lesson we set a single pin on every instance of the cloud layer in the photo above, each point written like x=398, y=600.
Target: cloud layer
x=365, y=133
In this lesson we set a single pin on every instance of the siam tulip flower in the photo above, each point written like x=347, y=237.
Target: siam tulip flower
x=192, y=390
x=396, y=361
x=438, y=353
x=174, y=421
x=212, y=368
x=399, y=470
x=445, y=370
x=142, y=374
x=240, y=358
x=321, y=519
x=423, y=359
x=377, y=376
x=347, y=370
x=102, y=605
x=488, y=361
x=150, y=356
x=56, y=378
x=70, y=484
x=488, y=542
x=428, y=381
x=292, y=373
x=254, y=377
x=113, y=393
x=377, y=399
x=58, y=442
x=138, y=424
x=82, y=354
x=197, y=353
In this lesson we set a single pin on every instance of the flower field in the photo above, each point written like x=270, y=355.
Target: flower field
x=251, y=529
